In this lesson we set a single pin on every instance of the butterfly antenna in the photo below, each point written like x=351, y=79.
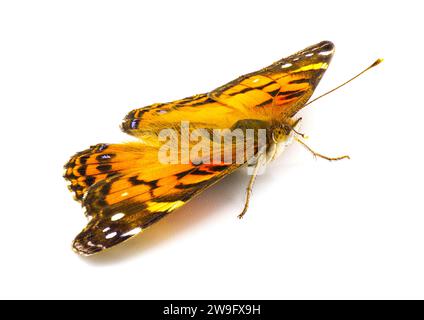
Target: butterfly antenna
x=376, y=62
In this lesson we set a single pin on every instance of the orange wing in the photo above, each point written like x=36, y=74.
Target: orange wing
x=275, y=92
x=125, y=189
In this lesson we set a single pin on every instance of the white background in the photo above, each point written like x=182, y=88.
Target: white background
x=71, y=70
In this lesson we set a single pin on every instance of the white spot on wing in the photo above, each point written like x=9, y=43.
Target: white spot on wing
x=111, y=235
x=286, y=65
x=132, y=232
x=326, y=53
x=117, y=216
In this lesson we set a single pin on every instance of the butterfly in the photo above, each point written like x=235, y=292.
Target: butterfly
x=125, y=188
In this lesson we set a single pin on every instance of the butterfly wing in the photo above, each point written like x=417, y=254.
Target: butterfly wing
x=103, y=161
x=129, y=190
x=281, y=88
x=277, y=91
x=200, y=110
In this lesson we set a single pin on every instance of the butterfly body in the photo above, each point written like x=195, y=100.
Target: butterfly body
x=125, y=188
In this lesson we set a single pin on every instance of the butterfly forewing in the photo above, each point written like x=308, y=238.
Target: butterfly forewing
x=280, y=89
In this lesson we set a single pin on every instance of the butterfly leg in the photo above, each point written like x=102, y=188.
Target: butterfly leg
x=249, y=188
x=316, y=154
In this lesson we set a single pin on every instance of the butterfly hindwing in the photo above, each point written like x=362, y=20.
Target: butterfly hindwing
x=122, y=206
x=200, y=110
x=102, y=161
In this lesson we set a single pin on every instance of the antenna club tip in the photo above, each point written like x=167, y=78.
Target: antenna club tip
x=377, y=62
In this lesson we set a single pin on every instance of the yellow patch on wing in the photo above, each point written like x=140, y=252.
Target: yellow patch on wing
x=153, y=206
x=315, y=66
